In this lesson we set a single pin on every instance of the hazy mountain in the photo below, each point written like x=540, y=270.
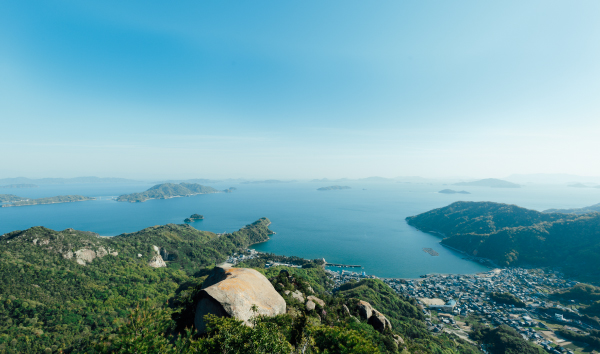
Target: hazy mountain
x=548, y=178
x=489, y=182
x=76, y=180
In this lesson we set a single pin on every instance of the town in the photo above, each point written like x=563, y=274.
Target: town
x=450, y=302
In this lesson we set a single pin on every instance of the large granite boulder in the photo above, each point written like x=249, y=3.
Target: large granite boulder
x=365, y=310
x=373, y=317
x=231, y=292
x=379, y=321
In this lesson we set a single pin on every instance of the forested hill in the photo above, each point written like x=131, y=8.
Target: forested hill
x=510, y=235
x=168, y=190
x=60, y=289
x=585, y=210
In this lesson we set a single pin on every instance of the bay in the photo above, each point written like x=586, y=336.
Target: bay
x=363, y=225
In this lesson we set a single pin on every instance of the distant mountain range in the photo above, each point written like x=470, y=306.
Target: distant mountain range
x=552, y=178
x=511, y=236
x=579, y=211
x=76, y=180
x=489, y=182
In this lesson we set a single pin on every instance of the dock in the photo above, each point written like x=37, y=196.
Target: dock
x=343, y=265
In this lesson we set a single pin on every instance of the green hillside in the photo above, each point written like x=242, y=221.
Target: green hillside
x=510, y=235
x=167, y=190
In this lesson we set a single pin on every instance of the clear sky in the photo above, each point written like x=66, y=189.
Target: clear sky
x=299, y=89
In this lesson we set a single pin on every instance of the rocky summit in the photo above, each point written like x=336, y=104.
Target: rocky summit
x=232, y=292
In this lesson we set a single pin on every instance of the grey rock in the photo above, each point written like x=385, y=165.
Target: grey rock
x=365, y=310
x=231, y=292
x=316, y=300
x=310, y=305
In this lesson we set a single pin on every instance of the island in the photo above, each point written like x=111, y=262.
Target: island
x=24, y=185
x=9, y=198
x=229, y=190
x=331, y=188
x=452, y=191
x=194, y=217
x=168, y=190
x=585, y=210
x=50, y=200
x=508, y=235
x=489, y=182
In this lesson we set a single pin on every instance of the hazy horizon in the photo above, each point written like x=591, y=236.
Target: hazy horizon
x=299, y=90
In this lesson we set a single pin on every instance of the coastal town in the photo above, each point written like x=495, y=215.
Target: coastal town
x=451, y=303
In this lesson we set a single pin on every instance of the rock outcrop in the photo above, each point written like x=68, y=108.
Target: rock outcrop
x=157, y=261
x=373, y=317
x=316, y=300
x=296, y=295
x=232, y=292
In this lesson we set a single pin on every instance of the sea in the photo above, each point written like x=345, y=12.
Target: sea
x=364, y=225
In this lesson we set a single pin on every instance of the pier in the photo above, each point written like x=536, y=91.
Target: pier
x=342, y=265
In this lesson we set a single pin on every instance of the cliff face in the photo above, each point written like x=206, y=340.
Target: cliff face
x=510, y=235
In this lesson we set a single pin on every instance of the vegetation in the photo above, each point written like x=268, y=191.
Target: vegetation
x=330, y=188
x=194, y=217
x=116, y=303
x=9, y=198
x=167, y=190
x=489, y=182
x=507, y=298
x=510, y=235
x=51, y=200
x=50, y=301
x=504, y=340
x=592, y=338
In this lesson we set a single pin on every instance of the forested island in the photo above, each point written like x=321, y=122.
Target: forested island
x=9, y=198
x=194, y=217
x=18, y=201
x=19, y=186
x=489, y=182
x=331, y=188
x=73, y=291
x=170, y=190
x=510, y=236
x=452, y=191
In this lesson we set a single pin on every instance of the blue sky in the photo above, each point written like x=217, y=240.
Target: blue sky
x=281, y=89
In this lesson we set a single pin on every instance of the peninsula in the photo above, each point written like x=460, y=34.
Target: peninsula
x=194, y=217
x=331, y=188
x=489, y=182
x=452, y=191
x=168, y=190
x=9, y=198
x=19, y=186
x=51, y=200
x=511, y=236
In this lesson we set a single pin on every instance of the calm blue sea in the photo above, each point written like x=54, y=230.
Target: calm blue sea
x=363, y=225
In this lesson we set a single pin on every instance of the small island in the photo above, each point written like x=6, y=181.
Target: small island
x=194, y=217
x=19, y=186
x=50, y=200
x=168, y=190
x=230, y=189
x=452, y=191
x=331, y=188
